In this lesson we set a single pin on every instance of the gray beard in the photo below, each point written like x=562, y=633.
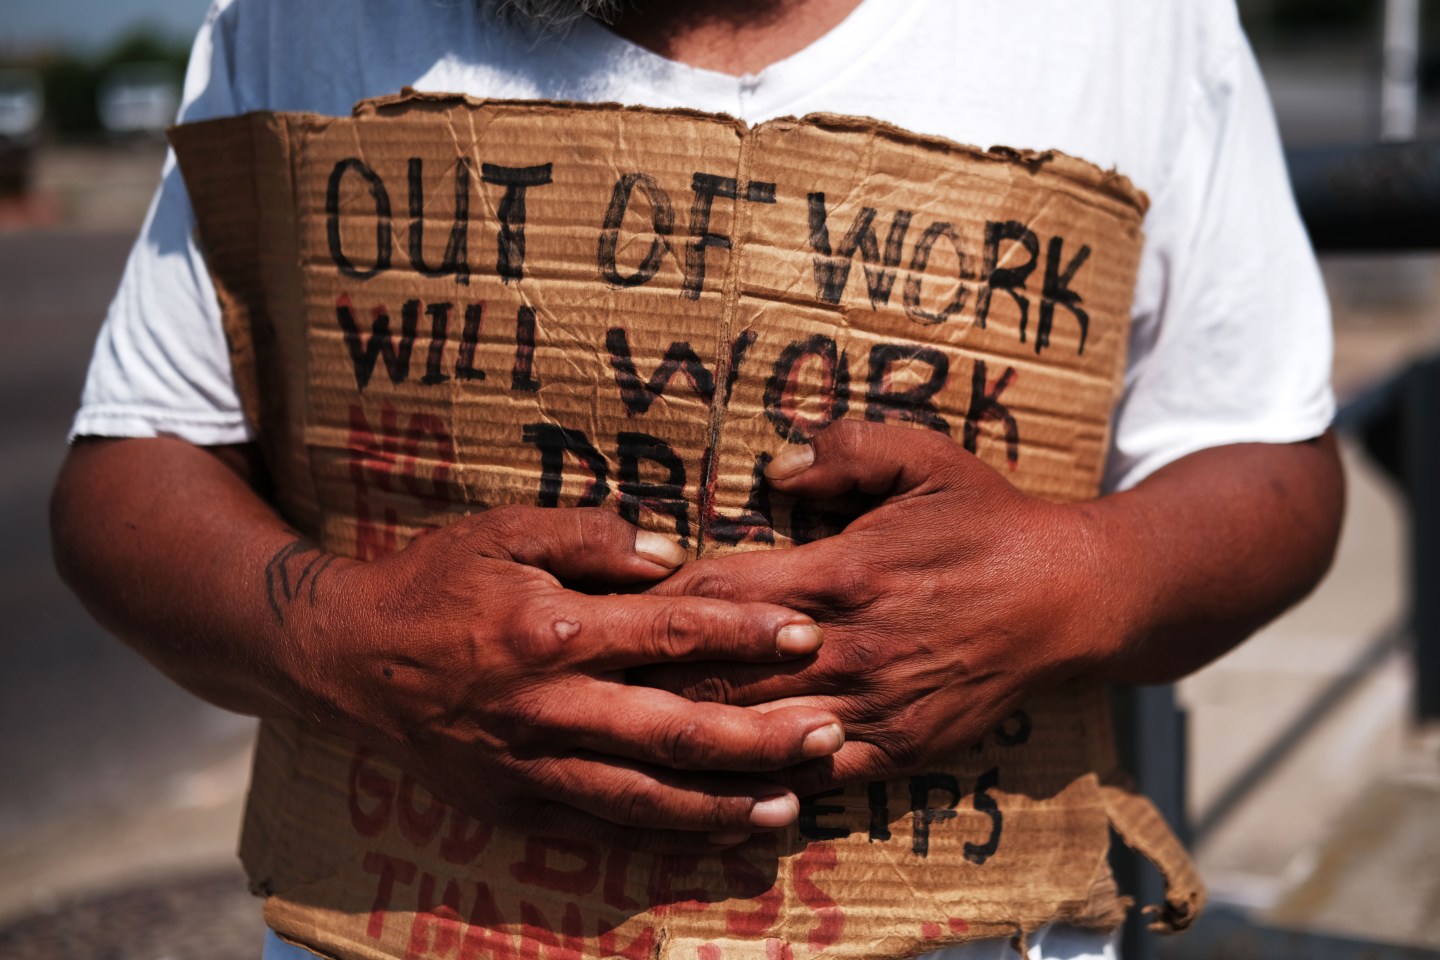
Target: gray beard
x=553, y=16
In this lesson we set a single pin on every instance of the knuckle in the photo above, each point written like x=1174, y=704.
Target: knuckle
x=543, y=635
x=638, y=804
x=722, y=811
x=582, y=531
x=509, y=533
x=538, y=775
x=951, y=472
x=597, y=529
x=525, y=722
x=935, y=445
x=532, y=716
x=848, y=585
x=702, y=579
x=706, y=684
x=682, y=744
x=677, y=632
x=840, y=432
x=848, y=437
x=857, y=656
x=903, y=751
x=502, y=523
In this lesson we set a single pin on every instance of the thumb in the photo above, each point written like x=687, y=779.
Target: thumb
x=870, y=458
x=580, y=544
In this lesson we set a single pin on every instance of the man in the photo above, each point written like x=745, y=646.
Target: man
x=1226, y=489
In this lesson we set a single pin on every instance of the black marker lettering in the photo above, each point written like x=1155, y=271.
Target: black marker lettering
x=782, y=391
x=382, y=219
x=753, y=522
x=469, y=339
x=1014, y=730
x=811, y=811
x=919, y=261
x=554, y=442
x=978, y=853
x=832, y=267
x=878, y=793
x=923, y=814
x=912, y=404
x=1057, y=291
x=662, y=223
x=380, y=344
x=985, y=405
x=455, y=259
x=706, y=187
x=439, y=314
x=1009, y=279
x=510, y=257
x=638, y=394
x=667, y=497
x=738, y=348
x=522, y=375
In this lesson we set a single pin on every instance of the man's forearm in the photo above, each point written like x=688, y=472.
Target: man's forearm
x=958, y=597
x=494, y=684
x=1212, y=547
x=167, y=545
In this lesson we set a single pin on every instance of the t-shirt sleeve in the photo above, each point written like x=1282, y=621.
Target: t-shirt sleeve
x=161, y=366
x=1231, y=341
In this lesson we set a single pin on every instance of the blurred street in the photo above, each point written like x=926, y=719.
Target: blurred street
x=114, y=777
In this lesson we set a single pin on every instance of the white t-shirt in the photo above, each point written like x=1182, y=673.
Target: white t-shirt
x=1230, y=341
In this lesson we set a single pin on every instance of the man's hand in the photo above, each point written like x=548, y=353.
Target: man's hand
x=958, y=596
x=463, y=656
x=942, y=607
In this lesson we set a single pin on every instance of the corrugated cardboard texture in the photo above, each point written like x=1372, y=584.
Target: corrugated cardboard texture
x=441, y=305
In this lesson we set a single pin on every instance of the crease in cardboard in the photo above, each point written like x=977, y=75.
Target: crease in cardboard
x=740, y=236
x=370, y=463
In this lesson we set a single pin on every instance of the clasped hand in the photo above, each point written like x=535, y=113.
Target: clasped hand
x=943, y=607
x=688, y=716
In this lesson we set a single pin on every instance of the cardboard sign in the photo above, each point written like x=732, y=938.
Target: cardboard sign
x=442, y=305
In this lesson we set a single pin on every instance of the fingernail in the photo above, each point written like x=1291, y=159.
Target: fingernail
x=728, y=839
x=790, y=461
x=778, y=811
x=798, y=638
x=823, y=742
x=658, y=548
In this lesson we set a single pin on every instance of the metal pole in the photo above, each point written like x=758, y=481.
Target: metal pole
x=1151, y=740
x=1422, y=461
x=1375, y=197
x=1399, y=82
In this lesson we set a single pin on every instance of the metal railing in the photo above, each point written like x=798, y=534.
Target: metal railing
x=1371, y=198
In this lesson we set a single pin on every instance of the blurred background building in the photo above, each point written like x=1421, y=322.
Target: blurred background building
x=1306, y=775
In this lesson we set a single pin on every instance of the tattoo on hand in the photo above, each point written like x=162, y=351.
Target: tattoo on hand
x=293, y=572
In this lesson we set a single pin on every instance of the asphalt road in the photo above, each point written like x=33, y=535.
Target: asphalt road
x=89, y=732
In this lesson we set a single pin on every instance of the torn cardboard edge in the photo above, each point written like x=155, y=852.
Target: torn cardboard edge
x=1110, y=182
x=285, y=278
